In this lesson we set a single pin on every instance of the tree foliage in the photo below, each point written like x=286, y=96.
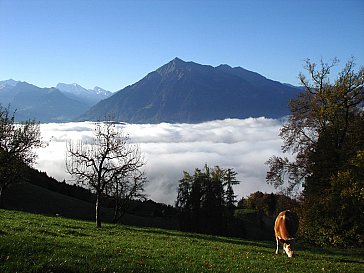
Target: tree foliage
x=105, y=163
x=269, y=204
x=325, y=134
x=17, y=141
x=206, y=200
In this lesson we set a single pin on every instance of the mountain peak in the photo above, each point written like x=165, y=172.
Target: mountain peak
x=73, y=88
x=179, y=67
x=100, y=91
x=9, y=82
x=224, y=66
x=178, y=61
x=171, y=67
x=88, y=96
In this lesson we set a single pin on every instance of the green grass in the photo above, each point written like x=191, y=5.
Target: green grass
x=35, y=243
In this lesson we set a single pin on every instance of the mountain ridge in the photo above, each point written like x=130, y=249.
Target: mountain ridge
x=189, y=92
x=44, y=104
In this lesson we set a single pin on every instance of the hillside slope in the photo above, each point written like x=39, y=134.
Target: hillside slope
x=34, y=243
x=35, y=199
x=45, y=195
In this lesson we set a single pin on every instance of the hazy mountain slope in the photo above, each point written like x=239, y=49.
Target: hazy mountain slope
x=42, y=104
x=189, y=92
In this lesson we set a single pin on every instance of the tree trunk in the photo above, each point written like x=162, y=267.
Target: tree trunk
x=1, y=198
x=116, y=211
x=120, y=210
x=98, y=215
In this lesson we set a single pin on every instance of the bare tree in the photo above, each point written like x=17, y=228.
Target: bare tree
x=124, y=189
x=17, y=141
x=103, y=160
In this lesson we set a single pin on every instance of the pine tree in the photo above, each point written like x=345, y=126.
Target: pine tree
x=206, y=199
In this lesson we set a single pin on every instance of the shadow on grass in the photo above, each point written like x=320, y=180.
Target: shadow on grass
x=204, y=237
x=353, y=256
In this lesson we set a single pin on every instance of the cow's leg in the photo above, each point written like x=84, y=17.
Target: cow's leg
x=277, y=250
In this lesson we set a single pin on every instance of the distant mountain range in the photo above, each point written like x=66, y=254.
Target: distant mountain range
x=64, y=103
x=182, y=91
x=177, y=92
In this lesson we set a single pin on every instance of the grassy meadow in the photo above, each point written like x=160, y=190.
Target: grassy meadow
x=36, y=243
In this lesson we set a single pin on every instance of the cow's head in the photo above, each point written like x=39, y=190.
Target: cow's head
x=288, y=247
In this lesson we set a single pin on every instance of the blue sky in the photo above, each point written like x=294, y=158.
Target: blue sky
x=112, y=44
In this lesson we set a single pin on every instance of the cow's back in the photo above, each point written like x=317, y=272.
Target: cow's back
x=286, y=225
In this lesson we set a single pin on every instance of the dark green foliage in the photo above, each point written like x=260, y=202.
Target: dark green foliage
x=334, y=205
x=269, y=204
x=206, y=201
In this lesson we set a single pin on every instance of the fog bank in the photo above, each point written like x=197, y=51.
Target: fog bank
x=169, y=149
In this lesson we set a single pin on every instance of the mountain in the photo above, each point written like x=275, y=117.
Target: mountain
x=7, y=83
x=182, y=91
x=41, y=104
x=89, y=96
x=63, y=103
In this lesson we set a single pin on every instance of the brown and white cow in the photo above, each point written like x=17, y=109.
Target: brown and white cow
x=285, y=228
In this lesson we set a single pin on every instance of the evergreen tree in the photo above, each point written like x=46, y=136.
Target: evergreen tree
x=206, y=199
x=184, y=192
x=229, y=182
x=184, y=200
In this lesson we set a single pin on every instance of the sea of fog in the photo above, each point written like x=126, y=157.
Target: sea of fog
x=169, y=149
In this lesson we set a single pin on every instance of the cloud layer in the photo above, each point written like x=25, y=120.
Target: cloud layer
x=169, y=149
